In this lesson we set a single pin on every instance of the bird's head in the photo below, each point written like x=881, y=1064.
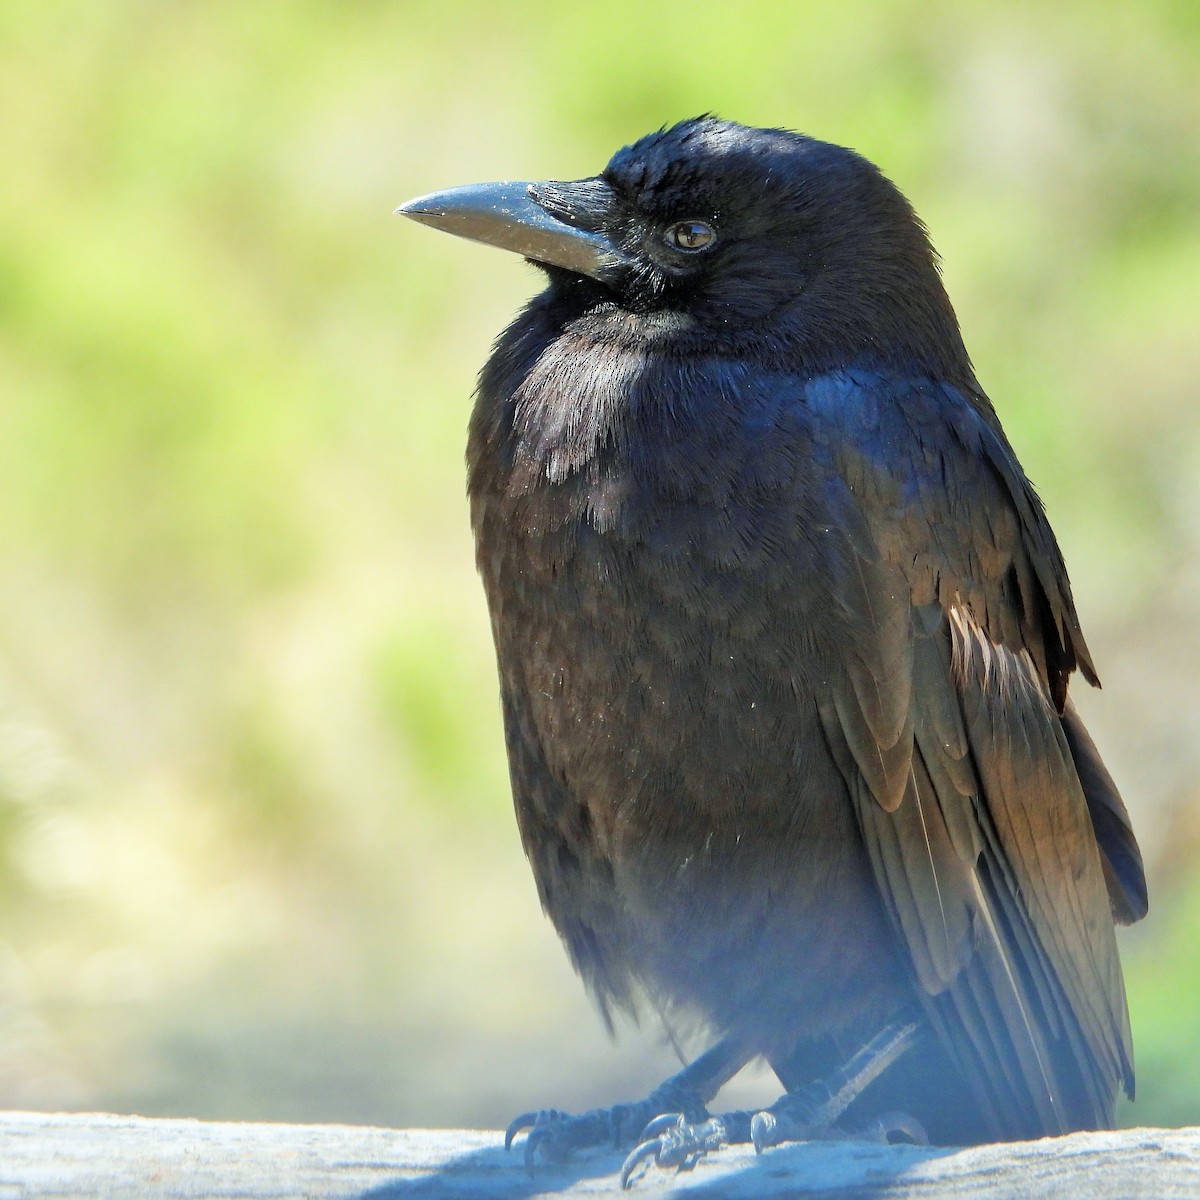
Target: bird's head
x=752, y=242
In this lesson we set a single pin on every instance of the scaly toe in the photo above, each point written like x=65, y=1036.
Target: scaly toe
x=672, y=1141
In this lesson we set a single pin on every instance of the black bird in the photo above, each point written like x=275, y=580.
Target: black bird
x=784, y=641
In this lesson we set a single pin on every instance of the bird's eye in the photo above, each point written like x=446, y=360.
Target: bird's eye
x=691, y=235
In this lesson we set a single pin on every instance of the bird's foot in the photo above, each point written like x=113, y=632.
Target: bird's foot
x=677, y=1140
x=554, y=1136
x=672, y=1140
x=794, y=1118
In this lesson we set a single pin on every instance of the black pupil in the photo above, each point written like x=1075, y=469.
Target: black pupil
x=691, y=235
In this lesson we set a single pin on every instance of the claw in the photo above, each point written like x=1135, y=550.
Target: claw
x=902, y=1123
x=542, y=1129
x=764, y=1131
x=544, y=1139
x=661, y=1124
x=531, y=1147
x=675, y=1142
x=527, y=1120
x=639, y=1156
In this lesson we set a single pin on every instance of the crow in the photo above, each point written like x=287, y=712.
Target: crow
x=784, y=641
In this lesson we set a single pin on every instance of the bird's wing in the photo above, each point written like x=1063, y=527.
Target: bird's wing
x=958, y=635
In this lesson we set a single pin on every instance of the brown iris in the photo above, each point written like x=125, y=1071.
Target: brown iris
x=691, y=235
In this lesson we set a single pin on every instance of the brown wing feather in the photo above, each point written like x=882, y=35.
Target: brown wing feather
x=995, y=834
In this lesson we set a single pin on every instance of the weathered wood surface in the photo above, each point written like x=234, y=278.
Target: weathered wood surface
x=82, y=1155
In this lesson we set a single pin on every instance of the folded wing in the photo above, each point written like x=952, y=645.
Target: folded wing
x=999, y=842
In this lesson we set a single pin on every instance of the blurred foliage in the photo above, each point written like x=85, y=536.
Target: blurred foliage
x=256, y=857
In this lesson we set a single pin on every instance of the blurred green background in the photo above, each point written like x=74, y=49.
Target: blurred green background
x=257, y=856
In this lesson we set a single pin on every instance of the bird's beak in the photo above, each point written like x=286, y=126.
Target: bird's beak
x=555, y=223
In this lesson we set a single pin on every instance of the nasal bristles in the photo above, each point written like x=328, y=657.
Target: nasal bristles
x=583, y=203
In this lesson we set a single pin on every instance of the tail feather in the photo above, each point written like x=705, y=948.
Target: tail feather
x=1119, y=853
